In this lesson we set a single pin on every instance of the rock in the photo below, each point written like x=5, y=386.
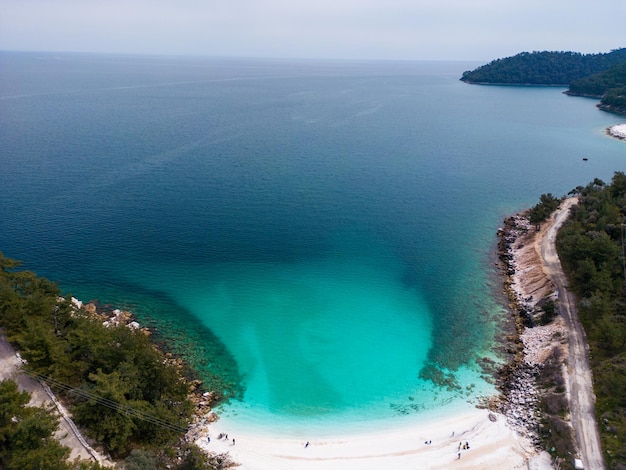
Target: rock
x=90, y=308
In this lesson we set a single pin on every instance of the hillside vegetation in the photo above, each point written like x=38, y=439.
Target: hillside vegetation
x=544, y=68
x=26, y=435
x=609, y=85
x=598, y=84
x=591, y=249
x=614, y=100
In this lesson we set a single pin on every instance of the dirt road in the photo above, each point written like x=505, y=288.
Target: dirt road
x=582, y=398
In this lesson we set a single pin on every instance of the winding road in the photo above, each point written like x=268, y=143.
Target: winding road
x=580, y=385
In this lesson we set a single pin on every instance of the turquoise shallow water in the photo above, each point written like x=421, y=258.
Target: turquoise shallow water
x=304, y=334
x=313, y=236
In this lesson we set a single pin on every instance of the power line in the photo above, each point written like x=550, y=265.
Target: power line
x=119, y=407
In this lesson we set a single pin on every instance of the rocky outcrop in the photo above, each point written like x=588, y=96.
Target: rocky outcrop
x=526, y=283
x=520, y=398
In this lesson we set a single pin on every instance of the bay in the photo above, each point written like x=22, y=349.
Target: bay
x=317, y=234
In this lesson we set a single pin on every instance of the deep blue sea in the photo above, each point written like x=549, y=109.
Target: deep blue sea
x=314, y=236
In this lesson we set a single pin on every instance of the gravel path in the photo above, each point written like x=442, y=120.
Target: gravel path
x=582, y=398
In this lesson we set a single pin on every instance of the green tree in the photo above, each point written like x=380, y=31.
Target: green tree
x=194, y=459
x=546, y=206
x=589, y=246
x=140, y=460
x=26, y=433
x=105, y=423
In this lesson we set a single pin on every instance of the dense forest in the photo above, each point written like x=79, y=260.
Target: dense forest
x=598, y=84
x=609, y=85
x=26, y=435
x=614, y=101
x=591, y=249
x=121, y=390
x=544, y=68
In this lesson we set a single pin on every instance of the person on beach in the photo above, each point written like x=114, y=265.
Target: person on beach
x=306, y=445
x=208, y=439
x=233, y=441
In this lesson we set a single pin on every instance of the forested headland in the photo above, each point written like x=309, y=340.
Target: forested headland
x=126, y=395
x=591, y=249
x=600, y=75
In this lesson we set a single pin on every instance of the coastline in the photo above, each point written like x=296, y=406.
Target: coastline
x=528, y=287
x=543, y=339
x=493, y=445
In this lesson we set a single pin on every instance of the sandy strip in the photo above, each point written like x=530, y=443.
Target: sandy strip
x=493, y=445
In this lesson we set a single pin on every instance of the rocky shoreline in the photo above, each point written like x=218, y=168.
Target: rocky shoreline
x=529, y=290
x=202, y=400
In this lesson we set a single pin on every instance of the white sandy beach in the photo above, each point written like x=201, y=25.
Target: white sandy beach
x=619, y=131
x=493, y=445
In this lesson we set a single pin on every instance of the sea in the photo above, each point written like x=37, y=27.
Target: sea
x=316, y=238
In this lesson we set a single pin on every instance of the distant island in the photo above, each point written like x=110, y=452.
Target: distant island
x=601, y=75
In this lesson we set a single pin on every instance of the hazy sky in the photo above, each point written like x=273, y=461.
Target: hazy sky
x=372, y=29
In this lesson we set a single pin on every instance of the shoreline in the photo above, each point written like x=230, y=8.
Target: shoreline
x=434, y=444
x=542, y=339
